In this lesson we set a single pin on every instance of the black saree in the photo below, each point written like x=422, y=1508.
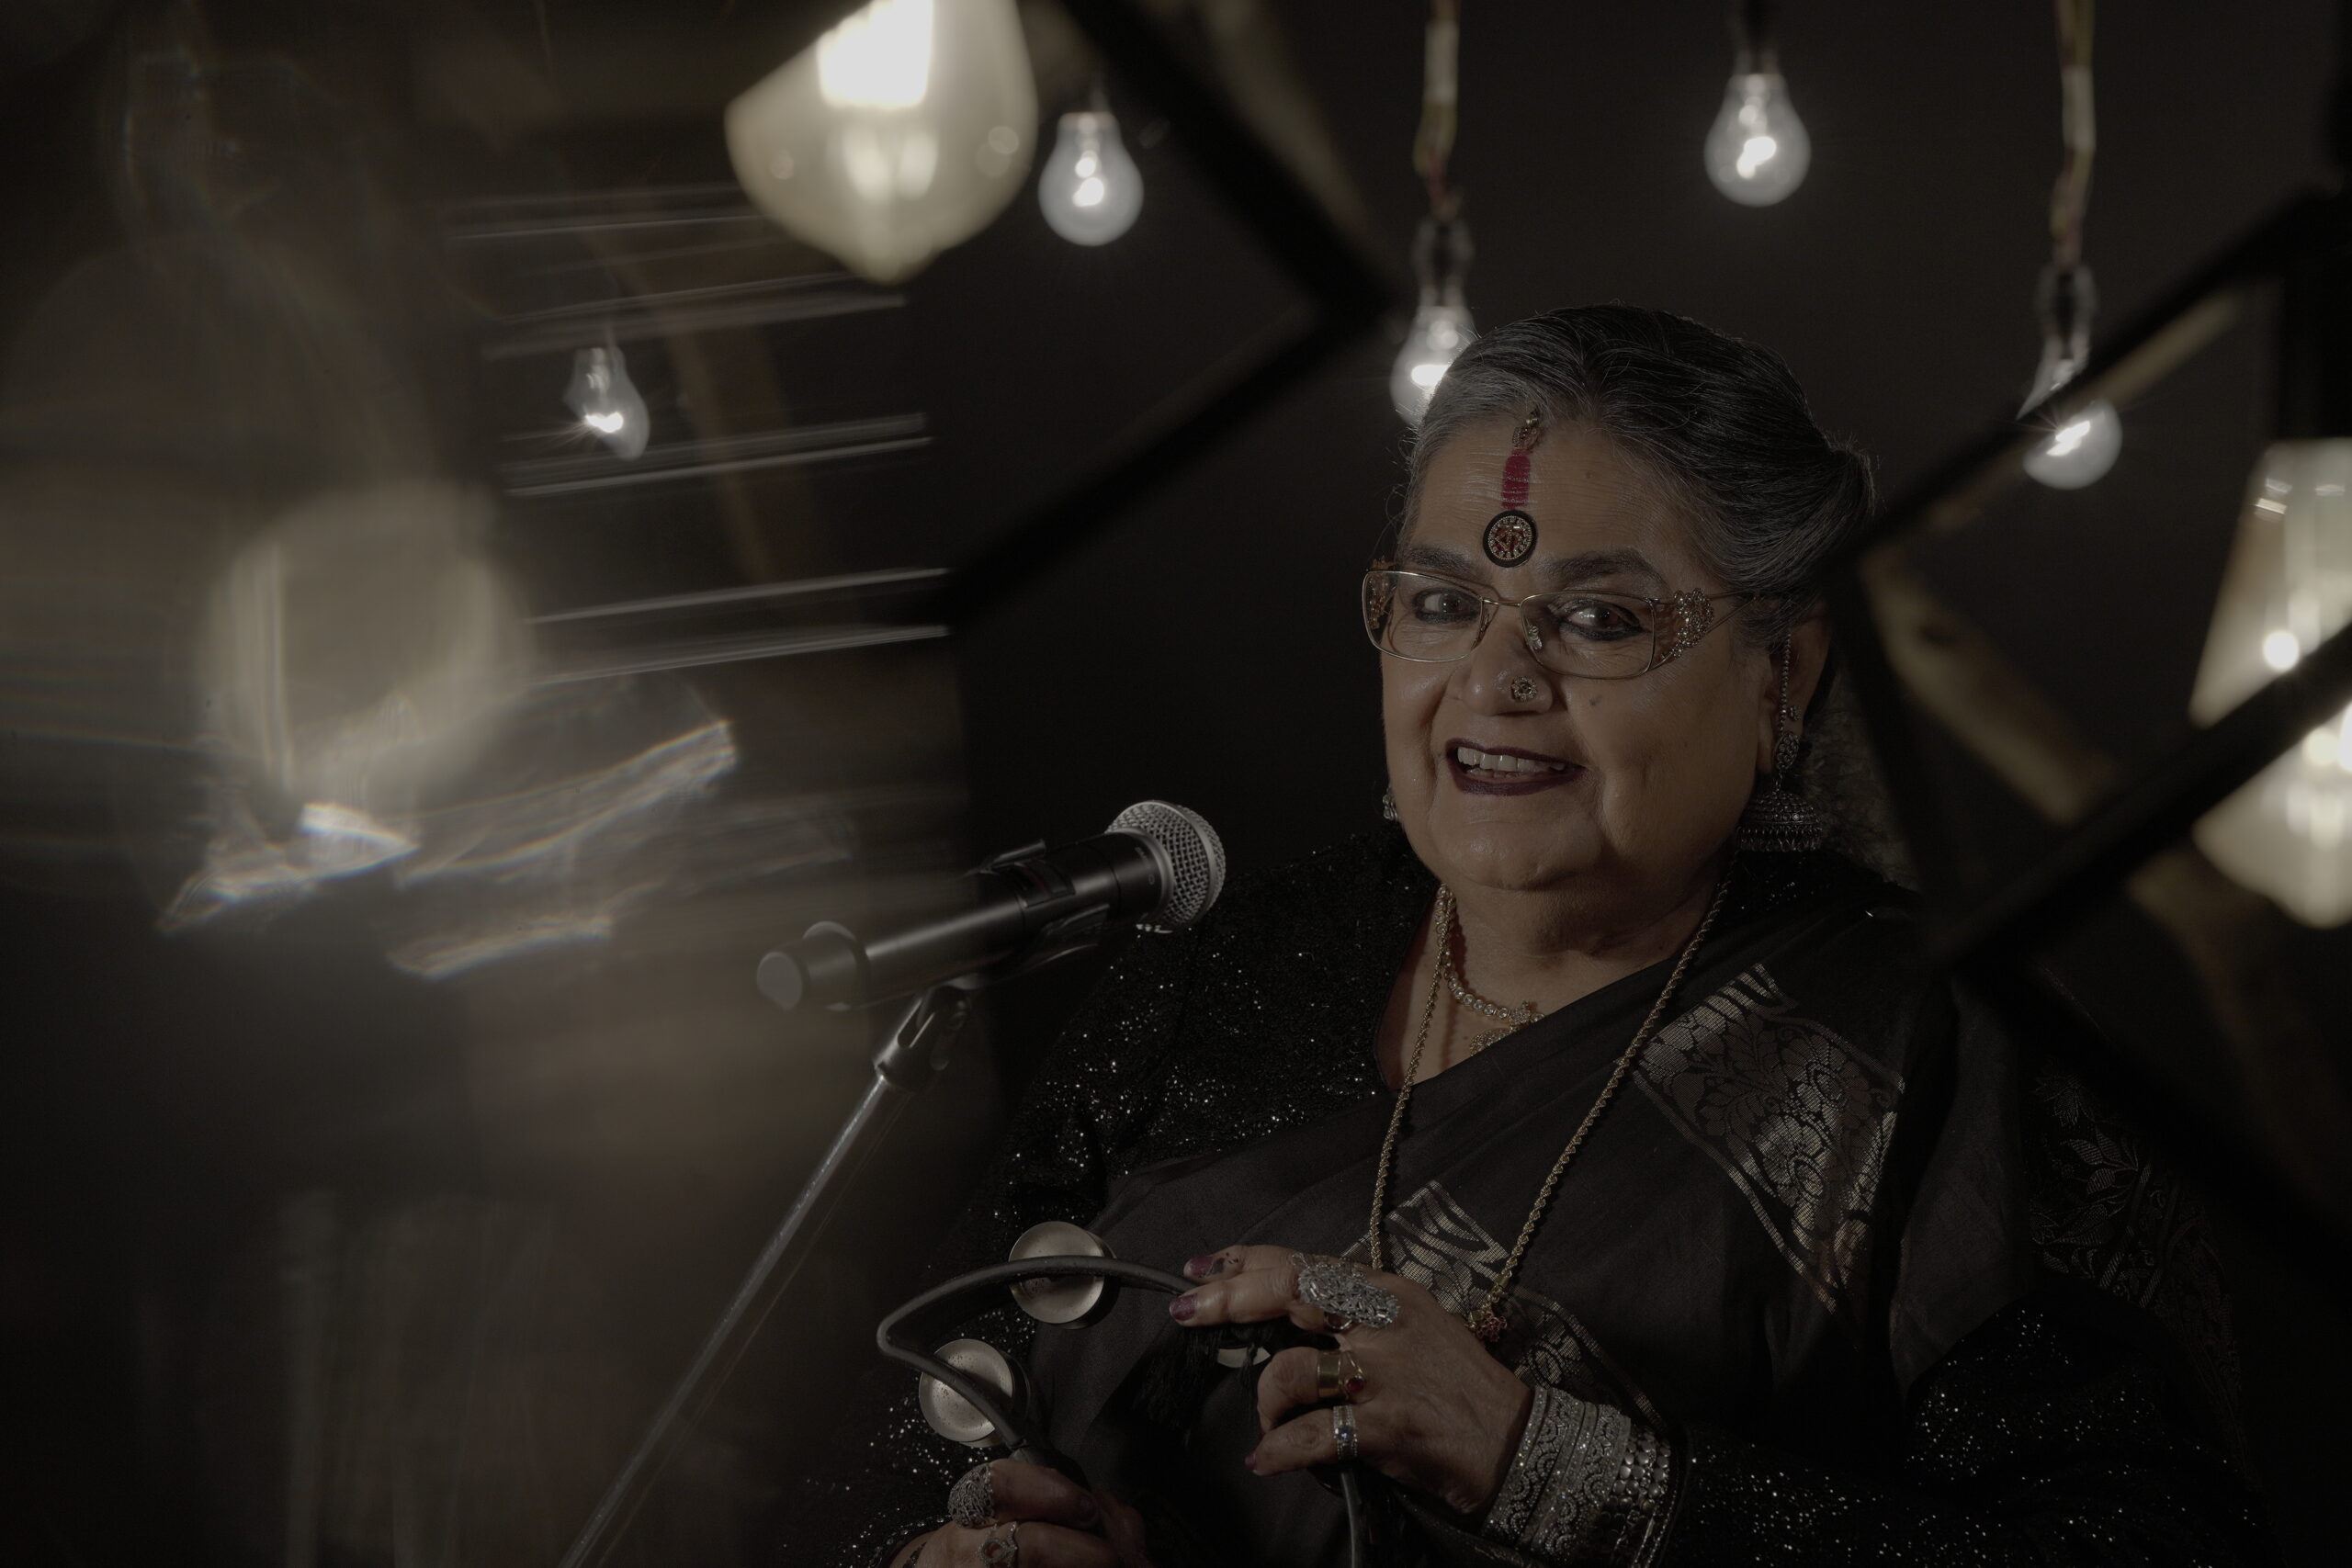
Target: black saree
x=1770, y=1230
x=1828, y=1245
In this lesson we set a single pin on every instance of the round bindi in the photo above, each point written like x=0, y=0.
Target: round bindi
x=1511, y=537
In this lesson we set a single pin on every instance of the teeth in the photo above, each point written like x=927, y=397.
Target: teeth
x=1497, y=763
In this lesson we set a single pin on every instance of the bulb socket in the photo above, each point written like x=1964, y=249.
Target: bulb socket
x=2066, y=300
x=1442, y=255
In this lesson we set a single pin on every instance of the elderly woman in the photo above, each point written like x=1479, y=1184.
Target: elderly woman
x=1589, y=1156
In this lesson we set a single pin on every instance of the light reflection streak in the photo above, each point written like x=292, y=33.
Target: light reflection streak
x=564, y=820
x=727, y=454
x=598, y=310
x=544, y=846
x=757, y=593
x=629, y=321
x=704, y=652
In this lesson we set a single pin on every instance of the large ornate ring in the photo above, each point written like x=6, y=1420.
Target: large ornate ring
x=1336, y=1373
x=1003, y=1546
x=971, y=1502
x=1343, y=1293
x=1343, y=1432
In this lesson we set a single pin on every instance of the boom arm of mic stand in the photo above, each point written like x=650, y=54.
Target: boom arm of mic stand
x=904, y=1063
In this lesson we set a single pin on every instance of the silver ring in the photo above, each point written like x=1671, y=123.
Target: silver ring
x=971, y=1502
x=1343, y=1293
x=1343, y=1432
x=1522, y=690
x=1003, y=1546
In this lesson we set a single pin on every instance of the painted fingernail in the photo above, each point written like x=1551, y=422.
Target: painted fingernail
x=1203, y=1267
x=1250, y=1460
x=1182, y=1308
x=1088, y=1514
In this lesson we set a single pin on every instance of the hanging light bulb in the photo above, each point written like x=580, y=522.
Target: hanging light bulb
x=904, y=131
x=2288, y=587
x=607, y=401
x=1091, y=189
x=1757, y=150
x=2083, y=446
x=1441, y=328
x=2080, y=450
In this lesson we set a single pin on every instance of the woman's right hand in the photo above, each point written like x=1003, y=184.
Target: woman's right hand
x=1063, y=1525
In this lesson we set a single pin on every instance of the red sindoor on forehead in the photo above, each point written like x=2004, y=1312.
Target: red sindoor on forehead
x=1511, y=533
x=1521, y=461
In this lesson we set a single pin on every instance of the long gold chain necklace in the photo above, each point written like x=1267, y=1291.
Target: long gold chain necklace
x=1485, y=1321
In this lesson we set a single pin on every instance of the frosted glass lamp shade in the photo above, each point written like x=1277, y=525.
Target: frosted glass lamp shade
x=2288, y=833
x=904, y=131
x=1440, y=332
x=1090, y=190
x=1757, y=150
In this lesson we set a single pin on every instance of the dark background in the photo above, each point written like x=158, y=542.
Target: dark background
x=535, y=1185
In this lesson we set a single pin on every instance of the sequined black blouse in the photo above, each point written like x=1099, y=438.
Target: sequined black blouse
x=2081, y=1414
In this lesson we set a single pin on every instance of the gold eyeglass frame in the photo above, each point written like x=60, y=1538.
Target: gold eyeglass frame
x=1693, y=613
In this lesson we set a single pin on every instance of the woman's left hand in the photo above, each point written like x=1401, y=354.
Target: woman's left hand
x=1434, y=1411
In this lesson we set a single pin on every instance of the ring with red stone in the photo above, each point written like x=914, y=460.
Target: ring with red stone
x=1337, y=1374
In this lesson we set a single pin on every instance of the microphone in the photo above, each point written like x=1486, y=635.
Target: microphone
x=1157, y=865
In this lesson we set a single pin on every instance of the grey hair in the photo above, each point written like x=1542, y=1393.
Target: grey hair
x=1718, y=423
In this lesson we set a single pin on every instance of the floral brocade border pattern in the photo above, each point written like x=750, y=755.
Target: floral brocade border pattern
x=1797, y=1117
x=1439, y=1245
x=2107, y=1212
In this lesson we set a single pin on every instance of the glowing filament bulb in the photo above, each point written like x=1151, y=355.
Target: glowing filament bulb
x=2080, y=451
x=1758, y=152
x=606, y=401
x=1440, y=332
x=1090, y=190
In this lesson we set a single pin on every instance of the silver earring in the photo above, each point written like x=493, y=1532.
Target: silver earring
x=1388, y=804
x=1779, y=820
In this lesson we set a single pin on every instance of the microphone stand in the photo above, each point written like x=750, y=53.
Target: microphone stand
x=905, y=1060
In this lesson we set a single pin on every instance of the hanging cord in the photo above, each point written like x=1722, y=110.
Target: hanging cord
x=1751, y=39
x=1441, y=101
x=1441, y=249
x=2070, y=196
x=2066, y=298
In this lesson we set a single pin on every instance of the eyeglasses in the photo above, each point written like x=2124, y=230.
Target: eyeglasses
x=1597, y=637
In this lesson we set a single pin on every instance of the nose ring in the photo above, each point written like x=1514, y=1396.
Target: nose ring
x=1522, y=690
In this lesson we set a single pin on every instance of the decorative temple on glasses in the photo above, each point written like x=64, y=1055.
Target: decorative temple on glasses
x=1570, y=631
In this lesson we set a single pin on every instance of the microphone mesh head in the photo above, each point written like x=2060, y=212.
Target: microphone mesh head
x=1194, y=855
